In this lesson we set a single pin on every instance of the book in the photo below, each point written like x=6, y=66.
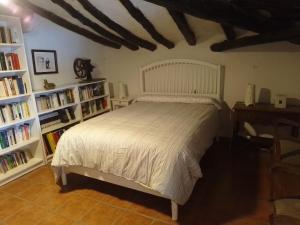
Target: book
x=14, y=35
x=3, y=91
x=16, y=62
x=16, y=87
x=8, y=87
x=20, y=85
x=51, y=141
x=13, y=160
x=2, y=34
x=3, y=61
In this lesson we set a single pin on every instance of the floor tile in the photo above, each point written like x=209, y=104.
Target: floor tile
x=152, y=206
x=55, y=219
x=10, y=205
x=33, y=192
x=76, y=207
x=29, y=215
x=17, y=186
x=233, y=191
x=132, y=219
x=102, y=214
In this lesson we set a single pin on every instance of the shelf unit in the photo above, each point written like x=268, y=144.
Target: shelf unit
x=24, y=110
x=98, y=92
x=52, y=105
x=94, y=98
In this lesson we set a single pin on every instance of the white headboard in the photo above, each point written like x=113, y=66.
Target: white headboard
x=182, y=77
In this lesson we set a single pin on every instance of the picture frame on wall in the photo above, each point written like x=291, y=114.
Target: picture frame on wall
x=44, y=61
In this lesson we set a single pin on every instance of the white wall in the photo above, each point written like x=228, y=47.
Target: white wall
x=68, y=45
x=273, y=66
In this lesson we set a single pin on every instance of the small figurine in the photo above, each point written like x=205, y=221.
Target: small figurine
x=48, y=86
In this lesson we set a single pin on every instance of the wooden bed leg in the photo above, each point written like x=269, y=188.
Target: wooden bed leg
x=174, y=208
x=64, y=177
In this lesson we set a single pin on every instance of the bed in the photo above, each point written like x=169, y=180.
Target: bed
x=155, y=144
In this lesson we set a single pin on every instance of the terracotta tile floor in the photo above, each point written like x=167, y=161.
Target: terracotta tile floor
x=234, y=191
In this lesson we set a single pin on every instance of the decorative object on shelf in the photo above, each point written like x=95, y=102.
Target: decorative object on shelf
x=83, y=70
x=280, y=101
x=44, y=61
x=122, y=90
x=48, y=86
x=122, y=102
x=250, y=95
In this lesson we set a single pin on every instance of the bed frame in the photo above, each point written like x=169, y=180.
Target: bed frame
x=172, y=77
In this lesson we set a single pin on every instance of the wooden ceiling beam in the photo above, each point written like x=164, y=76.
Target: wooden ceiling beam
x=281, y=35
x=223, y=12
x=86, y=21
x=229, y=32
x=183, y=26
x=116, y=27
x=66, y=24
x=147, y=25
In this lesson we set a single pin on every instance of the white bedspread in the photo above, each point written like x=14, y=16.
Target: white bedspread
x=158, y=145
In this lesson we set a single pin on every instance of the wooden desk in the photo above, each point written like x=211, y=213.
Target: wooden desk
x=263, y=114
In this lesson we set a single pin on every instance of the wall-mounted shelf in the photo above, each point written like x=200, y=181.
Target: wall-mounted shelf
x=94, y=98
x=16, y=122
x=15, y=97
x=4, y=73
x=55, y=109
x=23, y=144
x=59, y=126
x=19, y=171
x=96, y=113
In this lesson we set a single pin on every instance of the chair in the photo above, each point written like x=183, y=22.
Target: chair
x=286, y=152
x=287, y=146
x=287, y=208
x=285, y=174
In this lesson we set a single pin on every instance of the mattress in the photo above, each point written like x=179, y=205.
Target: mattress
x=155, y=144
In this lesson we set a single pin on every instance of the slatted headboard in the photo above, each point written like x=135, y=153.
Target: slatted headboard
x=182, y=77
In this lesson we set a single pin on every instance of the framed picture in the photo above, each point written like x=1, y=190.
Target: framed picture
x=44, y=61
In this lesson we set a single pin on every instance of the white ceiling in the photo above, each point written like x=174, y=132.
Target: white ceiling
x=156, y=14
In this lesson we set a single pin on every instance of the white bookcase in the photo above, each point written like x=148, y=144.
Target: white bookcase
x=94, y=98
x=89, y=100
x=24, y=113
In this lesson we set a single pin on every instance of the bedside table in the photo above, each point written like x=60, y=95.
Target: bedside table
x=117, y=103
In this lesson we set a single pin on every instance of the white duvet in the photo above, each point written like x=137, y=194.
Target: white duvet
x=155, y=144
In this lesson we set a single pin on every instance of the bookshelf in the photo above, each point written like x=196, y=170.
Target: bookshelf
x=57, y=109
x=21, y=149
x=86, y=100
x=94, y=98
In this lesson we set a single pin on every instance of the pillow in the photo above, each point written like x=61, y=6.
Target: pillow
x=180, y=99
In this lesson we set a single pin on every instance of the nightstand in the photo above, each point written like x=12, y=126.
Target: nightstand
x=117, y=103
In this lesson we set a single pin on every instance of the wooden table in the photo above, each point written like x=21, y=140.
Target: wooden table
x=263, y=114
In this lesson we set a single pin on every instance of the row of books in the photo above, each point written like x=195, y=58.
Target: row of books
x=60, y=116
x=54, y=100
x=9, y=35
x=10, y=86
x=14, y=111
x=9, y=61
x=10, y=161
x=90, y=91
x=91, y=107
x=51, y=140
x=15, y=135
